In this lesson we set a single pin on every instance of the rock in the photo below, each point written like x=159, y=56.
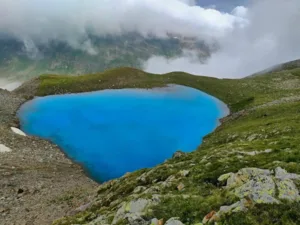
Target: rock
x=184, y=173
x=174, y=221
x=169, y=181
x=268, y=151
x=283, y=174
x=139, y=189
x=135, y=219
x=252, y=137
x=152, y=189
x=3, y=210
x=244, y=175
x=178, y=154
x=135, y=207
x=208, y=217
x=155, y=221
x=240, y=206
x=261, y=189
x=225, y=177
x=83, y=208
x=180, y=187
x=18, y=131
x=287, y=190
x=256, y=186
x=4, y=149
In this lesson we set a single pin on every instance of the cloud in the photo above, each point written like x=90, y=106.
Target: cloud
x=251, y=38
x=270, y=36
x=9, y=85
x=73, y=20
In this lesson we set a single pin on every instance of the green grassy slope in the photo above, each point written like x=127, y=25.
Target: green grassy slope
x=265, y=115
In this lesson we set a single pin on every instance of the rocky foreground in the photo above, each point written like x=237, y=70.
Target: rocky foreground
x=246, y=172
x=38, y=184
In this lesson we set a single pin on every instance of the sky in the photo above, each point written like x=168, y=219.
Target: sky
x=252, y=35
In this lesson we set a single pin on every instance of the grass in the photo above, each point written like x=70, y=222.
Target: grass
x=236, y=93
x=274, y=125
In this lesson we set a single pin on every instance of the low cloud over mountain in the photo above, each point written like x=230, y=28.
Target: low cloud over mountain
x=250, y=38
x=269, y=36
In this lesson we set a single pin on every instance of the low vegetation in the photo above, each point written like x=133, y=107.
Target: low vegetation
x=262, y=132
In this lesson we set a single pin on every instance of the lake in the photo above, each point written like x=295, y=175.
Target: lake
x=112, y=132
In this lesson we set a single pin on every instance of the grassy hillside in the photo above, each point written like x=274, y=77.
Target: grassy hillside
x=262, y=132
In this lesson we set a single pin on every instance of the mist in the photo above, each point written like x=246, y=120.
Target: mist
x=250, y=38
x=9, y=85
x=73, y=20
x=270, y=36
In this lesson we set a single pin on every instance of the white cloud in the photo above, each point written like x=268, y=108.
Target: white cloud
x=250, y=39
x=70, y=19
x=270, y=36
x=9, y=85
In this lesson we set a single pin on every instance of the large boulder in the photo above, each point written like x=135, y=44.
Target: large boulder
x=133, y=211
x=256, y=186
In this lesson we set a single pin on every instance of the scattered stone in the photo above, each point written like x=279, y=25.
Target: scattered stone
x=169, y=182
x=18, y=131
x=252, y=137
x=240, y=206
x=256, y=186
x=174, y=221
x=225, y=177
x=184, y=173
x=83, y=208
x=268, y=151
x=178, y=154
x=260, y=189
x=131, y=210
x=253, y=153
x=283, y=174
x=139, y=189
x=244, y=175
x=208, y=217
x=286, y=187
x=287, y=190
x=180, y=187
x=4, y=149
x=3, y=210
x=155, y=221
x=135, y=219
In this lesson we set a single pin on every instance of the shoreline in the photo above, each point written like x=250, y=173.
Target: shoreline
x=34, y=173
x=221, y=106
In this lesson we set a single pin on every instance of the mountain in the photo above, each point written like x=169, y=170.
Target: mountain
x=26, y=59
x=280, y=67
x=246, y=172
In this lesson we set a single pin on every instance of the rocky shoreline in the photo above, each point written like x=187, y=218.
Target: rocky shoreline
x=38, y=183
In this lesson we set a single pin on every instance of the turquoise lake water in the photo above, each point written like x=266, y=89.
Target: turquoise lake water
x=112, y=132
